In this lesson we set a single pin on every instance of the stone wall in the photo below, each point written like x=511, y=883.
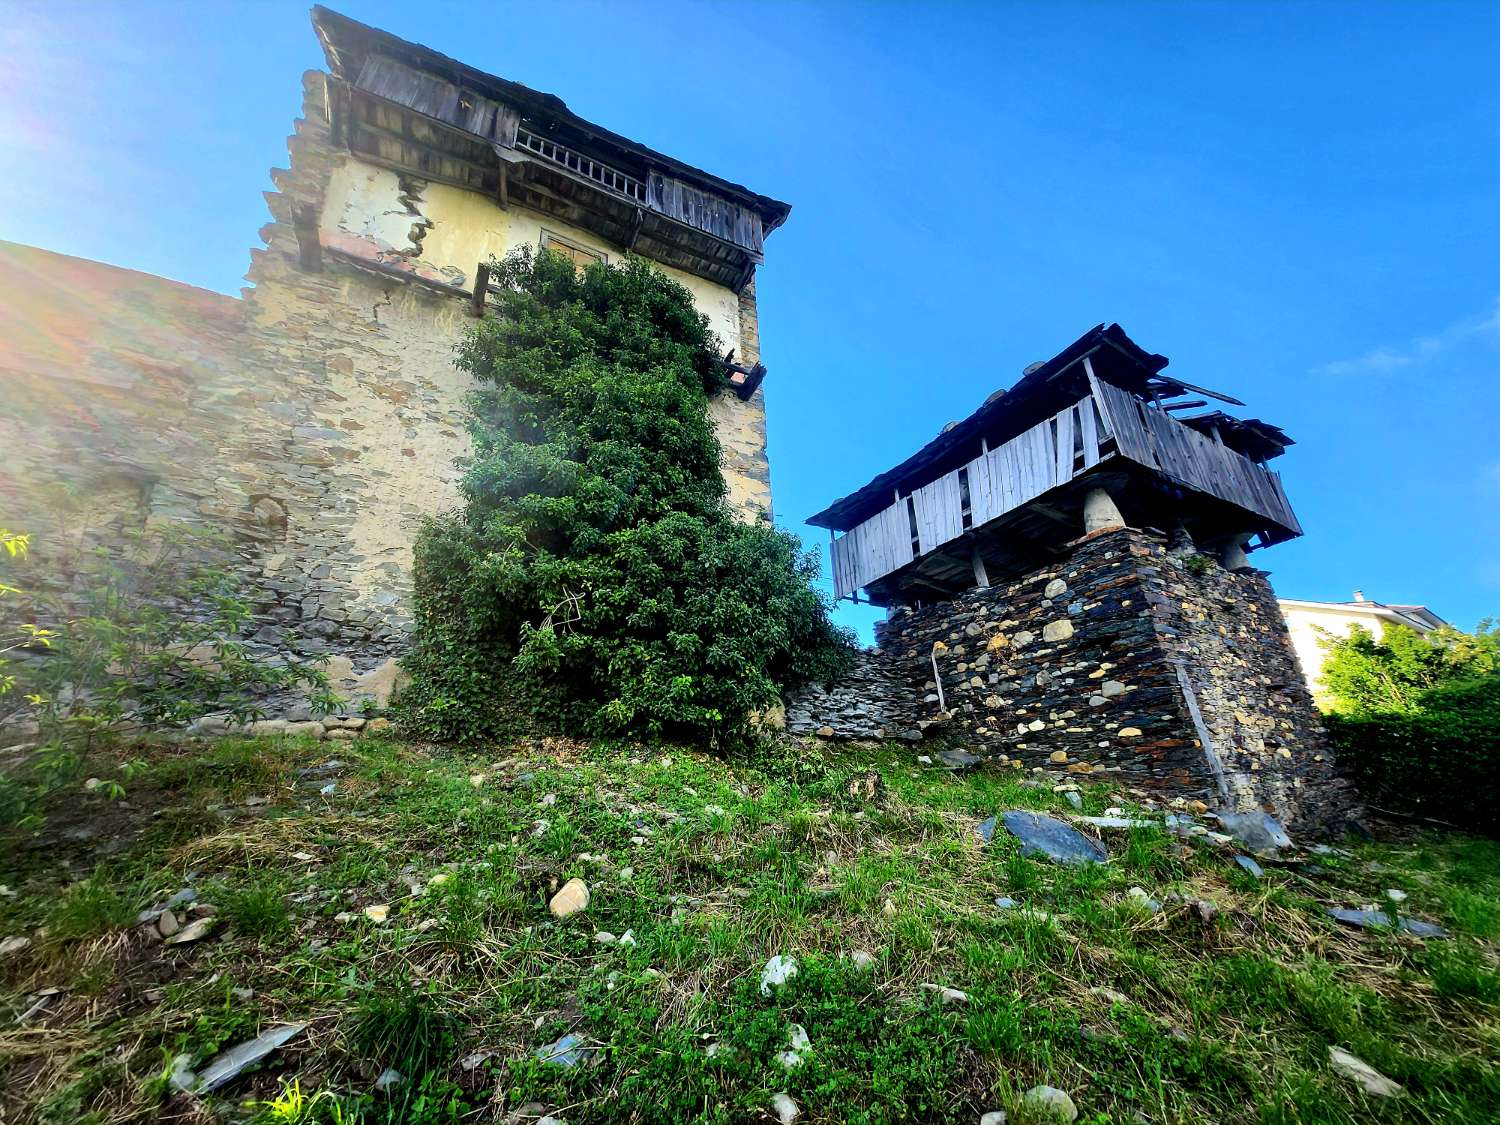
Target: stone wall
x=1123, y=659
x=871, y=701
x=314, y=422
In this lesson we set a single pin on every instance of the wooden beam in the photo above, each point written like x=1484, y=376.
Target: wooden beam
x=481, y=289
x=981, y=578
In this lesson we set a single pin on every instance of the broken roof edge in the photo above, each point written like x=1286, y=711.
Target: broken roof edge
x=341, y=36
x=1112, y=335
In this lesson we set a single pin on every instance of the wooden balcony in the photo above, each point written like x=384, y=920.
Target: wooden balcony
x=1109, y=434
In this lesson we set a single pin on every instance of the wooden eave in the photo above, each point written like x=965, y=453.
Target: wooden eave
x=1260, y=441
x=347, y=43
x=1045, y=388
x=403, y=140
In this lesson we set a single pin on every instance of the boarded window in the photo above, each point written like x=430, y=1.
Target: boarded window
x=580, y=256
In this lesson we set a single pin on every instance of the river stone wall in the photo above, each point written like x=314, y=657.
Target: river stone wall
x=1162, y=670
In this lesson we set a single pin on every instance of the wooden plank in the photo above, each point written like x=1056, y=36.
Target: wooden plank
x=481, y=289
x=1090, y=433
x=1064, y=471
x=939, y=509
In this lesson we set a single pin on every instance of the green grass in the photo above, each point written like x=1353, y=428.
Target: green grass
x=713, y=867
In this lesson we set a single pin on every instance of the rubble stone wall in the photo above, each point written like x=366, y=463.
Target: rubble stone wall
x=1123, y=659
x=314, y=422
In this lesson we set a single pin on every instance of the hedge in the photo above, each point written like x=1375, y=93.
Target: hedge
x=1442, y=761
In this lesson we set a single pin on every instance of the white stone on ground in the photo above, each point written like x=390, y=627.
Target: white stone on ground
x=778, y=971
x=798, y=1048
x=1049, y=1100
x=573, y=897
x=785, y=1109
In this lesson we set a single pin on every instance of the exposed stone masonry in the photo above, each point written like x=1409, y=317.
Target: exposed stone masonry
x=871, y=701
x=315, y=422
x=1094, y=665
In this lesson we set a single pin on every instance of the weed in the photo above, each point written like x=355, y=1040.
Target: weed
x=94, y=906
x=258, y=910
x=401, y=1027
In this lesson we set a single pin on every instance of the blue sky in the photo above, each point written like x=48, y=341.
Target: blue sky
x=1296, y=203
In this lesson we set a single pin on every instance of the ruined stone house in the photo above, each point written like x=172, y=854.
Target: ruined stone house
x=317, y=417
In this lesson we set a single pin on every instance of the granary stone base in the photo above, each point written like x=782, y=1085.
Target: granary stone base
x=1160, y=670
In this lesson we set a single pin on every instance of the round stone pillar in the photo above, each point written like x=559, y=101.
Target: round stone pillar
x=1100, y=512
x=1232, y=555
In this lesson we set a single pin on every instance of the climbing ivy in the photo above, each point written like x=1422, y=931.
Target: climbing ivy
x=593, y=579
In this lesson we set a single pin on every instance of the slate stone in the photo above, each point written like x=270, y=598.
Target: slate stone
x=1258, y=831
x=1375, y=919
x=1249, y=865
x=567, y=1051
x=1045, y=836
x=957, y=760
x=986, y=830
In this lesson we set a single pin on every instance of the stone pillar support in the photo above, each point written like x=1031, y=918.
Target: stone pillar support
x=1100, y=512
x=1232, y=555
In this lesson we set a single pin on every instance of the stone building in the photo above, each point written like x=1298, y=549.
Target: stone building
x=318, y=417
x=1068, y=587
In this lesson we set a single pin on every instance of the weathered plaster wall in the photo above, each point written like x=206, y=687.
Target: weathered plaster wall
x=1096, y=664
x=442, y=233
x=315, y=422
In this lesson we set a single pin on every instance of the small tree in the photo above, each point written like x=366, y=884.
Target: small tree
x=594, y=576
x=1363, y=674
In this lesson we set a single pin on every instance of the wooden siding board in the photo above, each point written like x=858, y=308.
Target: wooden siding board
x=1036, y=461
x=1064, y=461
x=939, y=510
x=704, y=211
x=433, y=97
x=1090, y=434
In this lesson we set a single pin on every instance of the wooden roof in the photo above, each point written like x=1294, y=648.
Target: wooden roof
x=348, y=44
x=1034, y=397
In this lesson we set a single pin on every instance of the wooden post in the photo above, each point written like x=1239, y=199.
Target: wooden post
x=481, y=289
x=937, y=678
x=981, y=578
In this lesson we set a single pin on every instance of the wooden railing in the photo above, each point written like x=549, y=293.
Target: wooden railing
x=602, y=174
x=1110, y=422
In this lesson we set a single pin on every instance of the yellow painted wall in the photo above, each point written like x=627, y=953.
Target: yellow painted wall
x=365, y=205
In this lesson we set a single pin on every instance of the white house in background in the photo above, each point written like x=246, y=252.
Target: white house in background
x=1310, y=621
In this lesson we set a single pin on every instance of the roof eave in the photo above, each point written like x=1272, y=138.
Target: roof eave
x=336, y=33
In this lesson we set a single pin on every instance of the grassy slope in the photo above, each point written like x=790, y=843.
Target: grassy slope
x=1224, y=1021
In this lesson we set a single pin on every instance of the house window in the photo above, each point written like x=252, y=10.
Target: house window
x=580, y=256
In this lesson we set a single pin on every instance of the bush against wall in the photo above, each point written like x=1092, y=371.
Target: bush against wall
x=594, y=578
x=1416, y=719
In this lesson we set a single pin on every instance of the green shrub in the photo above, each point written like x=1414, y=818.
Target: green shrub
x=1440, y=760
x=1393, y=672
x=594, y=577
